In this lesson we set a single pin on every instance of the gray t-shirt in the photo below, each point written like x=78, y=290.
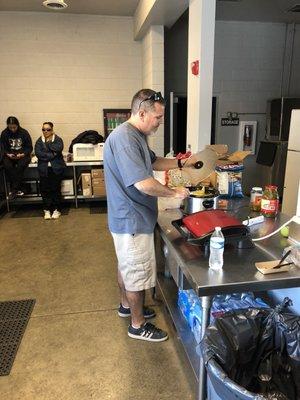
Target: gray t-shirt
x=127, y=160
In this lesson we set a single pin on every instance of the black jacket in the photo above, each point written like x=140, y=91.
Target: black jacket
x=17, y=142
x=86, y=137
x=50, y=152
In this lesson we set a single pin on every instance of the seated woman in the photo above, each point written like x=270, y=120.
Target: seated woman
x=48, y=149
x=17, y=147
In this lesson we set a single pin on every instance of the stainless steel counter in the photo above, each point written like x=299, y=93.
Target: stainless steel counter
x=188, y=266
x=239, y=272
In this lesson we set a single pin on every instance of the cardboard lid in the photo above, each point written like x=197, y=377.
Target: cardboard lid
x=195, y=176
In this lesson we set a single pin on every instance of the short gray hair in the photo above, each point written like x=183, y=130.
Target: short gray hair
x=141, y=100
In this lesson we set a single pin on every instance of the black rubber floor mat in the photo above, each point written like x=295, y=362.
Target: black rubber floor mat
x=14, y=316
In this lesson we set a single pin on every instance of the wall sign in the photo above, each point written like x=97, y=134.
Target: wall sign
x=230, y=121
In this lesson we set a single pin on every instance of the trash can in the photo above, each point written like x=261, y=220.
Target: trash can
x=254, y=354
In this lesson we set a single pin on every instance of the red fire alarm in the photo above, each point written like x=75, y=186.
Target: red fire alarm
x=195, y=67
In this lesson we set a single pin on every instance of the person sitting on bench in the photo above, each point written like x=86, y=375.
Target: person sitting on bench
x=17, y=148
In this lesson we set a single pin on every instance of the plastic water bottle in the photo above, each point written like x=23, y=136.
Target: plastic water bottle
x=216, y=249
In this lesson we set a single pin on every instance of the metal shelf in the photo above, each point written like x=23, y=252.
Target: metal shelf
x=169, y=291
x=73, y=166
x=75, y=163
x=34, y=199
x=80, y=196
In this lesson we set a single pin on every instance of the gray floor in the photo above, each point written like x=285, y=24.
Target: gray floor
x=75, y=345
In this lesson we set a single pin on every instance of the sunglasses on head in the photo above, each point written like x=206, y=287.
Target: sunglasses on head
x=157, y=96
x=46, y=129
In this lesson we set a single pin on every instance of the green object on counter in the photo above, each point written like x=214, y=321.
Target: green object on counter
x=285, y=231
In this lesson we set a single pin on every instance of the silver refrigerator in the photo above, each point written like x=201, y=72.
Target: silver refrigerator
x=292, y=171
x=272, y=154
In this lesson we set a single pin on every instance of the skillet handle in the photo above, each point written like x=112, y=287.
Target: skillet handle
x=178, y=225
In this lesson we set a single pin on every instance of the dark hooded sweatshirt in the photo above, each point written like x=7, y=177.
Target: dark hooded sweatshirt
x=17, y=142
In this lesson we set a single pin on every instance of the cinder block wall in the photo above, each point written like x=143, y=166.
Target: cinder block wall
x=247, y=72
x=66, y=68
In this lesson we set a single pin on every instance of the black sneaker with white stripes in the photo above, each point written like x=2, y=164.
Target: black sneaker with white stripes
x=148, y=332
x=125, y=312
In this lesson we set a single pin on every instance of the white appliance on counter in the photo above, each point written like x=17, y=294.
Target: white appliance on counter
x=292, y=171
x=88, y=152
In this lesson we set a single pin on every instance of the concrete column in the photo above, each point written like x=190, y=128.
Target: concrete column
x=153, y=75
x=200, y=88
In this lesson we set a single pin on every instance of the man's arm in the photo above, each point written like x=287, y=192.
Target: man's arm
x=164, y=164
x=152, y=187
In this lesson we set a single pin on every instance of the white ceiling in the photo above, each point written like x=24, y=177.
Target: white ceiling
x=241, y=10
x=101, y=7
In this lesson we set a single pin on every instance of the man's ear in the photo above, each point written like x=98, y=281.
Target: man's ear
x=142, y=114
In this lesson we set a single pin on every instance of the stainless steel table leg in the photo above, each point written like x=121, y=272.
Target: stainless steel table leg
x=6, y=190
x=180, y=278
x=75, y=186
x=206, y=304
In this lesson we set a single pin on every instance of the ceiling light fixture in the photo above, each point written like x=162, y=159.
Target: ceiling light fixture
x=55, y=4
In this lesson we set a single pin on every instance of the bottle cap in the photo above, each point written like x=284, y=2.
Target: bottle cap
x=217, y=228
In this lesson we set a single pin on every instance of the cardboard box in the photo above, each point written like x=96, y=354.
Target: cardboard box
x=67, y=187
x=98, y=187
x=86, y=182
x=97, y=173
x=99, y=191
x=211, y=157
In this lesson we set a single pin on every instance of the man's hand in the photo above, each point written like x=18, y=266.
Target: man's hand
x=190, y=162
x=20, y=155
x=11, y=155
x=181, y=192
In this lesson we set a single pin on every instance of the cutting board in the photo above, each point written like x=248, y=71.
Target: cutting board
x=267, y=267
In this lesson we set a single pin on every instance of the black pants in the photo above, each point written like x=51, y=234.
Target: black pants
x=15, y=171
x=51, y=190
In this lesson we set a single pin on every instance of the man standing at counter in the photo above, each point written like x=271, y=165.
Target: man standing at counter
x=132, y=207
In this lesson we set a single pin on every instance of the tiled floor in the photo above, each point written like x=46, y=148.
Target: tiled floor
x=75, y=346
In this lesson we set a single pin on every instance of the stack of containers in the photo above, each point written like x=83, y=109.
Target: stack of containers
x=190, y=306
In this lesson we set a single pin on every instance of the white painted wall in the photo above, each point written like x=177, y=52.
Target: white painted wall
x=248, y=68
x=247, y=72
x=153, y=75
x=66, y=68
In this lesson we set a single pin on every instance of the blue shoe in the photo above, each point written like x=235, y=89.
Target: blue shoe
x=125, y=312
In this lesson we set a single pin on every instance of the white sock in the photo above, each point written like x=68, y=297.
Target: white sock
x=136, y=327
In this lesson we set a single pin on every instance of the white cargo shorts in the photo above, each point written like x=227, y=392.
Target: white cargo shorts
x=136, y=260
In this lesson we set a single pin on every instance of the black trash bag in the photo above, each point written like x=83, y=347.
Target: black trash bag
x=86, y=137
x=259, y=349
x=287, y=341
